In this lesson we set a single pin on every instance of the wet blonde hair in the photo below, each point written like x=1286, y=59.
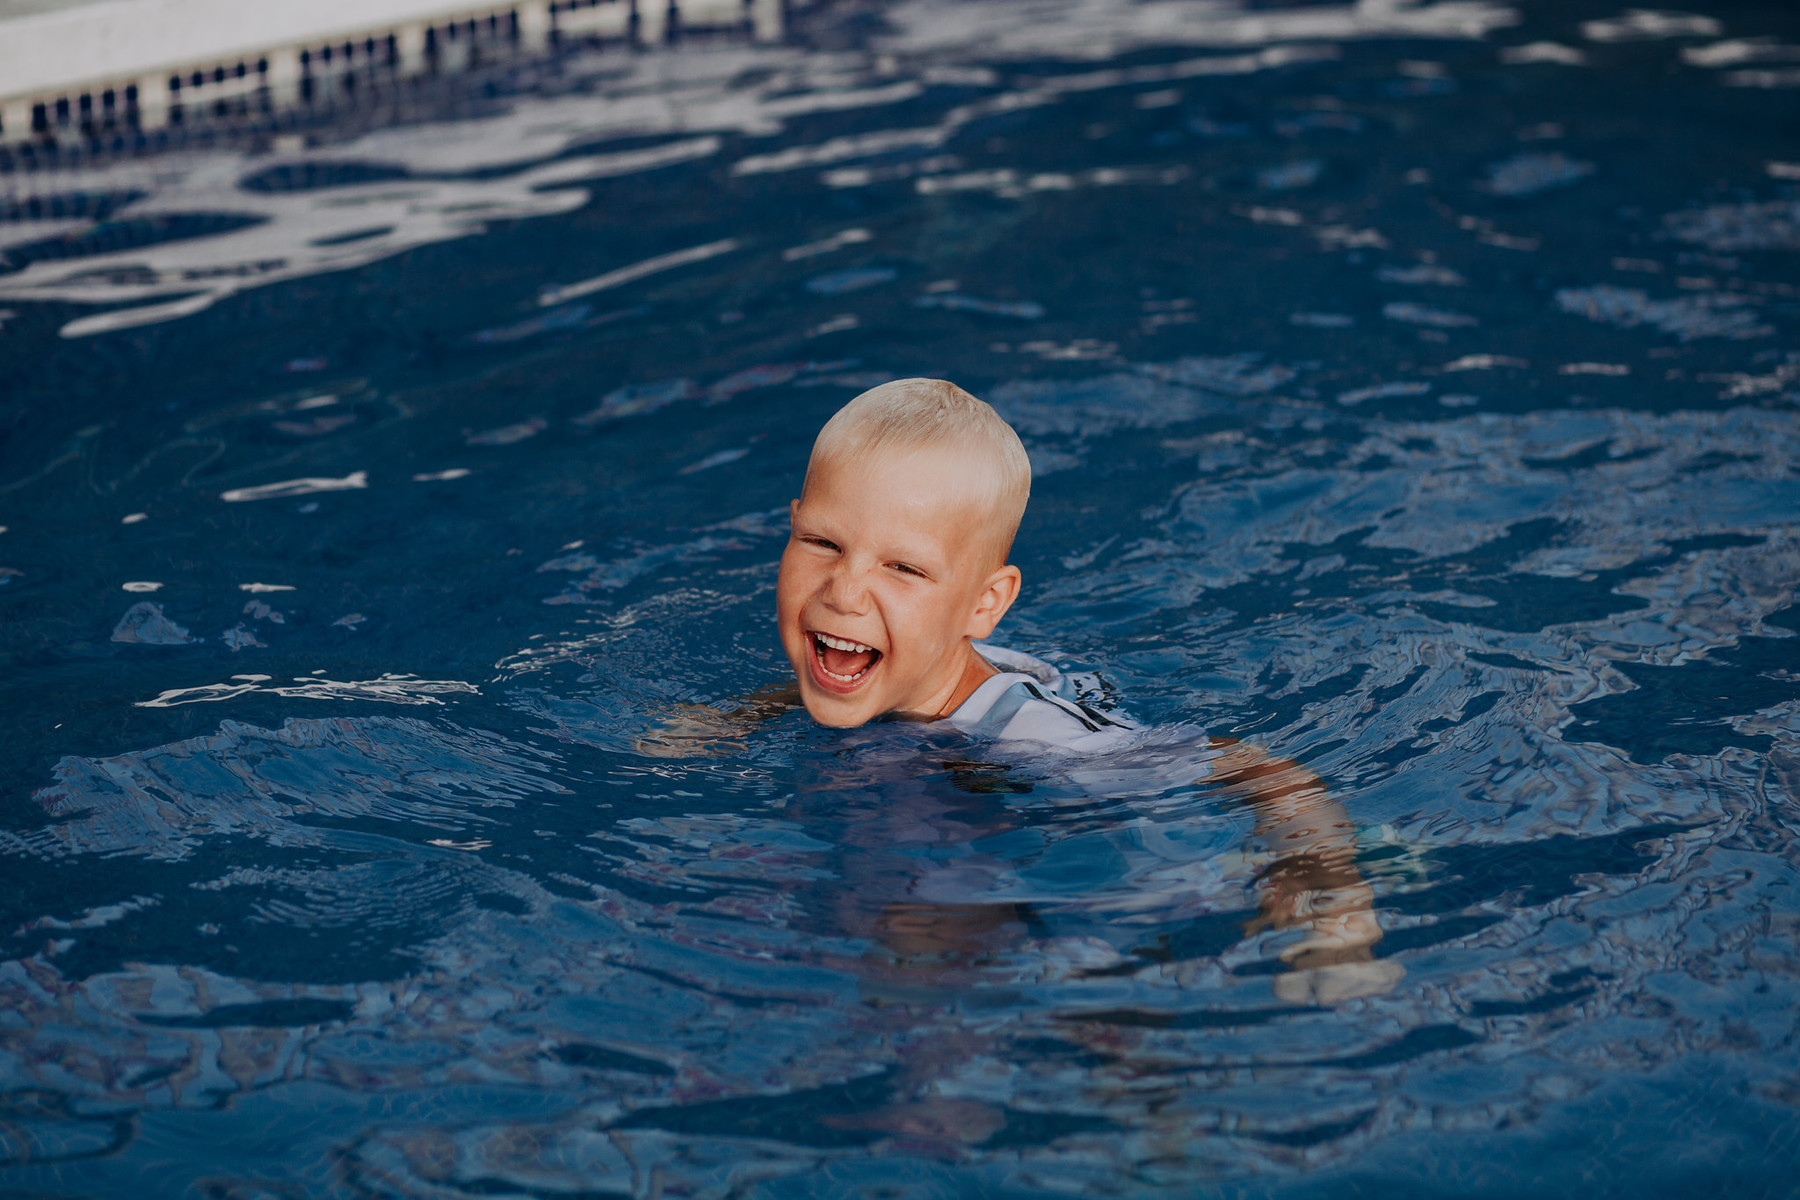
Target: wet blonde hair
x=916, y=414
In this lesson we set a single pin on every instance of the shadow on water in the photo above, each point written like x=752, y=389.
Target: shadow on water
x=1520, y=876
x=1695, y=708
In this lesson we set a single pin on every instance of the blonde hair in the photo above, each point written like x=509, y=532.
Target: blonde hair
x=913, y=414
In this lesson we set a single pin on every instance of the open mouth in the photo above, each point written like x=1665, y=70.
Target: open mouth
x=842, y=662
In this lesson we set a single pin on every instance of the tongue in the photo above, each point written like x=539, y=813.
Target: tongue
x=845, y=662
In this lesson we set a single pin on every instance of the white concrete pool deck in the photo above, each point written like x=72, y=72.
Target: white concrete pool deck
x=70, y=64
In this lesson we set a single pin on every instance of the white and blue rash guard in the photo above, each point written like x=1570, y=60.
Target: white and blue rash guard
x=1031, y=701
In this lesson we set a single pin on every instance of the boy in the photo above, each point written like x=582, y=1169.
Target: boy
x=894, y=574
x=897, y=568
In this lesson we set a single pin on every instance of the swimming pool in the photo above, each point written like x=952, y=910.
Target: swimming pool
x=1411, y=389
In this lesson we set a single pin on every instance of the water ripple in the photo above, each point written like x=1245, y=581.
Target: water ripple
x=604, y=913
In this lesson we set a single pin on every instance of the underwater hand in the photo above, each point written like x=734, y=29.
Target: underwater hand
x=1340, y=921
x=702, y=731
x=694, y=731
x=1334, y=961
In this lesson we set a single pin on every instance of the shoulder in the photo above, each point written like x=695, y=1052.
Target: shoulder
x=1025, y=702
x=1065, y=724
x=1020, y=663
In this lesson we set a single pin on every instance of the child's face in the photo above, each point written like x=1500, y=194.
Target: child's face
x=888, y=559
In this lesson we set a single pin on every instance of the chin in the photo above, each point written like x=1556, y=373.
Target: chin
x=834, y=715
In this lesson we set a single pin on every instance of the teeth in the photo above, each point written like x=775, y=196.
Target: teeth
x=837, y=643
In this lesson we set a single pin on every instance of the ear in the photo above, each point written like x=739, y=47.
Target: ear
x=997, y=595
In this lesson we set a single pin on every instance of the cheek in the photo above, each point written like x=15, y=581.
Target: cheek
x=796, y=583
x=939, y=619
x=913, y=622
x=789, y=587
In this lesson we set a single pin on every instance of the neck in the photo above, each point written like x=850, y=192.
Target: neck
x=976, y=671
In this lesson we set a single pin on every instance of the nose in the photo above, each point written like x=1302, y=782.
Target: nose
x=846, y=589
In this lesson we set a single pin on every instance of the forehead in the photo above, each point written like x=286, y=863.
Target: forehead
x=924, y=494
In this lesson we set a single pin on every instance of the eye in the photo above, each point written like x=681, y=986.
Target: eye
x=820, y=542
x=908, y=569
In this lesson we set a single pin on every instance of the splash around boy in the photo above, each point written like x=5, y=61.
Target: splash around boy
x=897, y=561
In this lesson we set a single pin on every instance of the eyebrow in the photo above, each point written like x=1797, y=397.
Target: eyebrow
x=912, y=556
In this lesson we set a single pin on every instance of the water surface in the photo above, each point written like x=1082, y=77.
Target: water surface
x=1411, y=390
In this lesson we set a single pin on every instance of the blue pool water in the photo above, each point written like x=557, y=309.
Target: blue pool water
x=1413, y=390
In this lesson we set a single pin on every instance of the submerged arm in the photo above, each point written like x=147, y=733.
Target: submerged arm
x=703, y=731
x=1313, y=880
